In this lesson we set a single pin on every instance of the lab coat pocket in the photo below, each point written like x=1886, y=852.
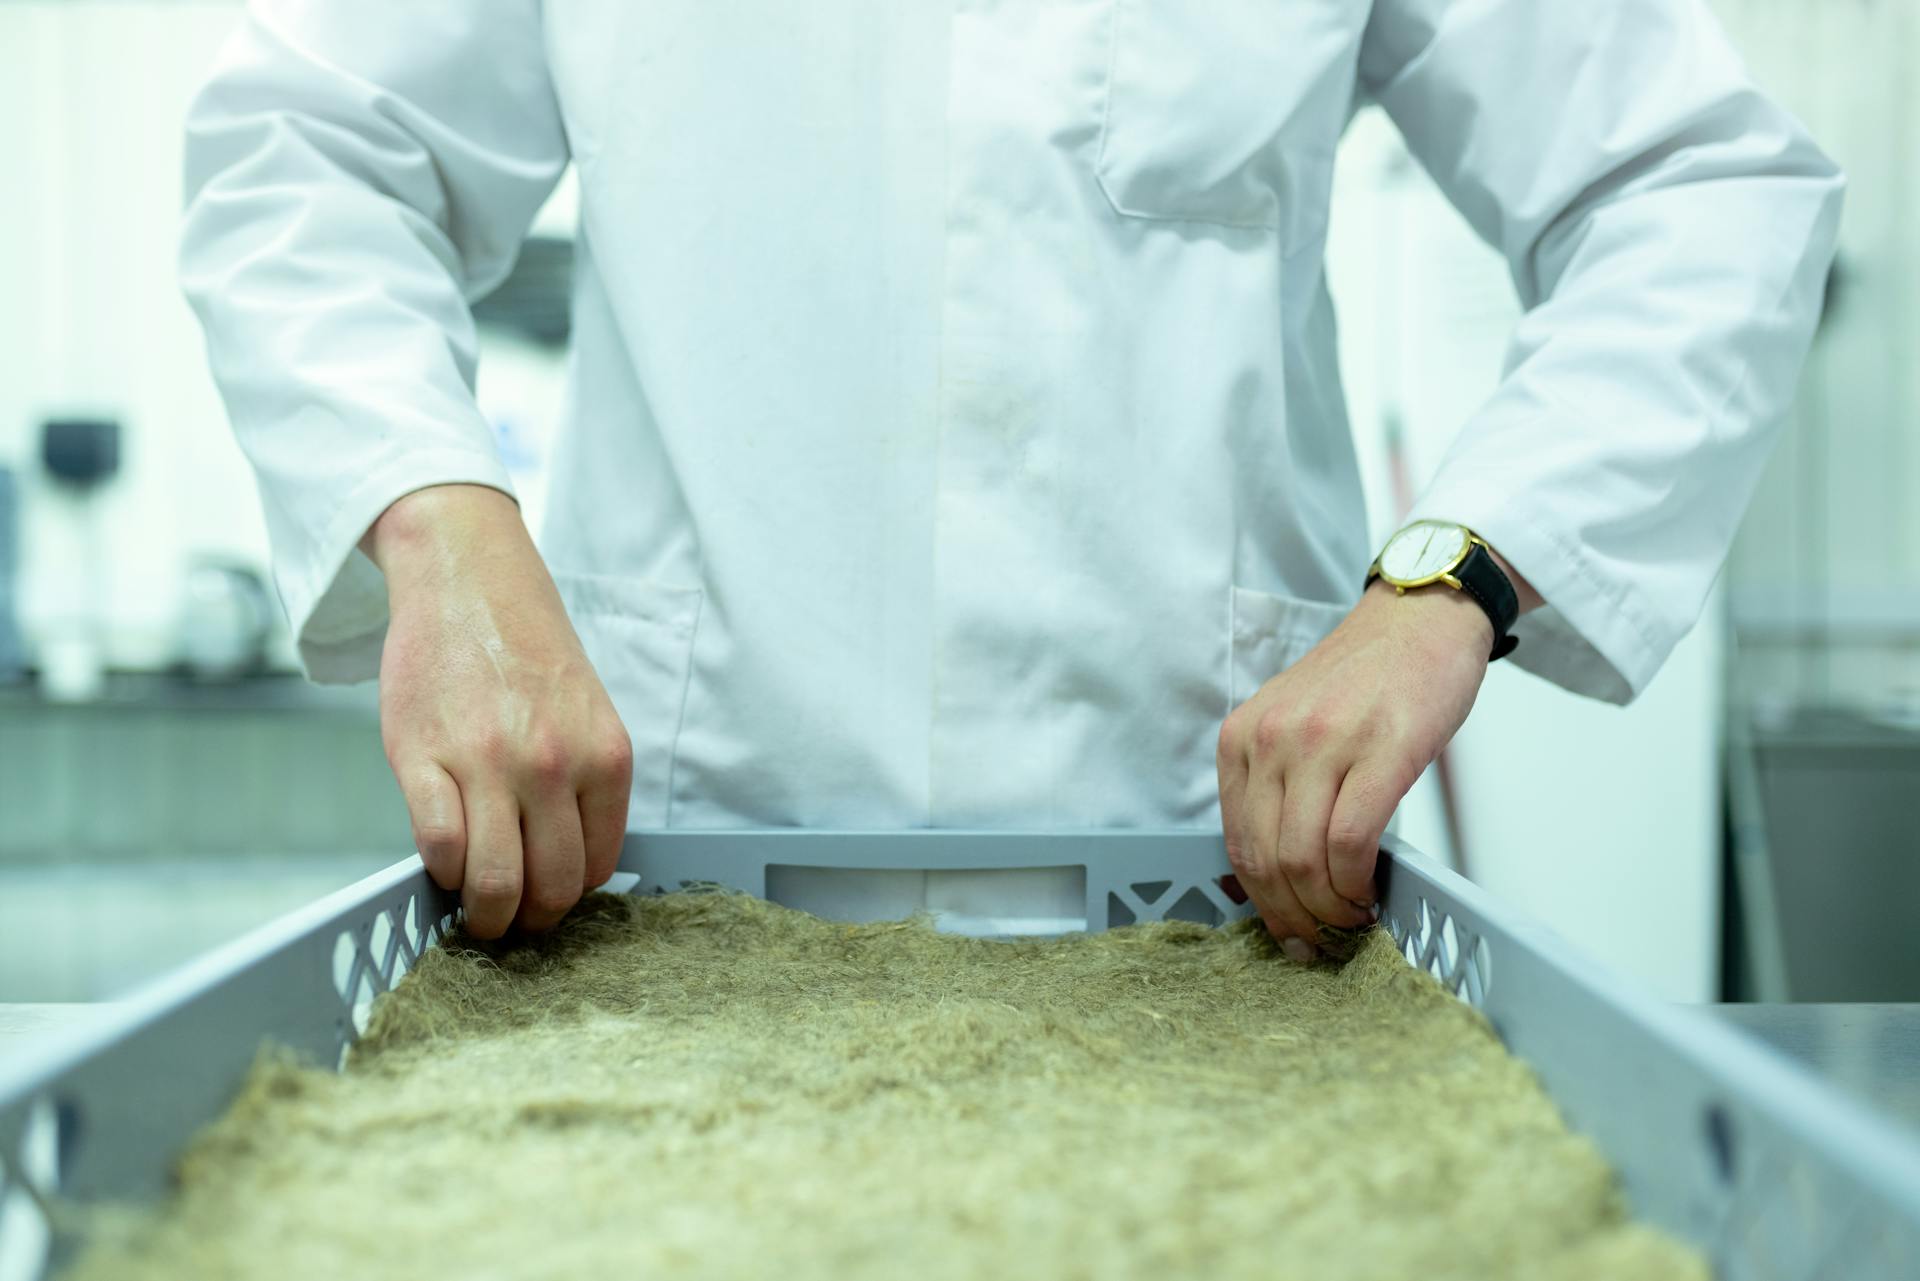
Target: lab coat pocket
x=1227, y=113
x=1269, y=634
x=638, y=633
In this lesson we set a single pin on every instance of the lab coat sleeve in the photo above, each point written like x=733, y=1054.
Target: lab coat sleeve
x=357, y=171
x=1669, y=231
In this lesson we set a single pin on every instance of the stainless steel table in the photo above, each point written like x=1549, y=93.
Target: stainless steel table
x=22, y=1025
x=1870, y=1051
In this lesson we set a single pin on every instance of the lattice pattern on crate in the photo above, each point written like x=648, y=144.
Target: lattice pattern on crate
x=1787, y=1219
x=29, y=1178
x=1453, y=954
x=1203, y=901
x=371, y=957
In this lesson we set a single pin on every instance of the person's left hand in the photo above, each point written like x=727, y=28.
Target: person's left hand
x=1313, y=765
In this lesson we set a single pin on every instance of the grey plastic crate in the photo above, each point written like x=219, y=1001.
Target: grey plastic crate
x=1717, y=1139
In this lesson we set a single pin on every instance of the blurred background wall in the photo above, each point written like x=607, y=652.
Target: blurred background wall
x=1709, y=839
x=159, y=790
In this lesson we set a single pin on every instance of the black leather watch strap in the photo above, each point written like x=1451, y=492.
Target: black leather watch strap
x=1484, y=580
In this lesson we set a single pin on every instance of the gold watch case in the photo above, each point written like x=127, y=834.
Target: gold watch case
x=1445, y=574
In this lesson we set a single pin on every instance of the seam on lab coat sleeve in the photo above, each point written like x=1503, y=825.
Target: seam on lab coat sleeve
x=1594, y=636
x=335, y=597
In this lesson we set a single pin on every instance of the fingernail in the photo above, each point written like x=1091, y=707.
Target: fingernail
x=1297, y=950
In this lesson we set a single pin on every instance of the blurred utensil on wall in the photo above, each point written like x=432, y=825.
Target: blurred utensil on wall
x=226, y=619
x=80, y=456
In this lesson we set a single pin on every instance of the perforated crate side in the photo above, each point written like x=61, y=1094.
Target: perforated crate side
x=103, y=1113
x=1128, y=875
x=1717, y=1138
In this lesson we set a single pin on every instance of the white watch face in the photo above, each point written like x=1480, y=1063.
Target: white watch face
x=1423, y=549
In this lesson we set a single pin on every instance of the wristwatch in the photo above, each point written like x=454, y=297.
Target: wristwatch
x=1437, y=551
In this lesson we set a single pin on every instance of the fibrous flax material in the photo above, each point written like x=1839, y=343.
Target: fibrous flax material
x=704, y=1084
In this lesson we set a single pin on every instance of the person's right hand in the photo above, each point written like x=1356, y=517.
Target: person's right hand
x=514, y=765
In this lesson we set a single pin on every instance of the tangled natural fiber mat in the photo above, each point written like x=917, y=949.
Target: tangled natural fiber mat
x=708, y=1085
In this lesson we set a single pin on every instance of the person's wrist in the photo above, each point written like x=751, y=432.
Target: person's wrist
x=419, y=533
x=1522, y=589
x=1444, y=610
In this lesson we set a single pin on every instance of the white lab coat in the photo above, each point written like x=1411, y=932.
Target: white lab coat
x=955, y=433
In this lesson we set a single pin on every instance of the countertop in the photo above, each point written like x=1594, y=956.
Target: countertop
x=22, y=1025
x=171, y=692
x=1870, y=1051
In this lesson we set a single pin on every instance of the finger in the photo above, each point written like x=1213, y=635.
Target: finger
x=603, y=811
x=1302, y=851
x=1286, y=919
x=1291, y=925
x=439, y=827
x=556, y=865
x=1230, y=762
x=491, y=891
x=1368, y=796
